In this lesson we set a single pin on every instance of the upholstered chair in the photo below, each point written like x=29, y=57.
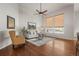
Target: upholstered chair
x=16, y=40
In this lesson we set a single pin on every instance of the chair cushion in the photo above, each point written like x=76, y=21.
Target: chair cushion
x=19, y=40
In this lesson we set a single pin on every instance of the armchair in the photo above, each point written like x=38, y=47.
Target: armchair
x=16, y=40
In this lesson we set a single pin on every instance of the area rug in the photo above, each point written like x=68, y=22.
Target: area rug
x=40, y=42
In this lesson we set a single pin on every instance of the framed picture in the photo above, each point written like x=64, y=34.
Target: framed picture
x=31, y=25
x=10, y=22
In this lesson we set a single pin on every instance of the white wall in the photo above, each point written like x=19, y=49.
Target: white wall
x=68, y=22
x=10, y=10
x=27, y=14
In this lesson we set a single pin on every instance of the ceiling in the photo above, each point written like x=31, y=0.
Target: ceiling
x=45, y=6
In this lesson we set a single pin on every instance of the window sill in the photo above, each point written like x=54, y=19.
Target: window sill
x=55, y=33
x=59, y=32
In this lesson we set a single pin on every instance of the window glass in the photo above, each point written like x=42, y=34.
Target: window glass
x=55, y=24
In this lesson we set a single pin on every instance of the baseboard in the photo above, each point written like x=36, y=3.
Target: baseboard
x=60, y=38
x=63, y=38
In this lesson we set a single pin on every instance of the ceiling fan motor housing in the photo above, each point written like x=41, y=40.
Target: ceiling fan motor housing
x=40, y=13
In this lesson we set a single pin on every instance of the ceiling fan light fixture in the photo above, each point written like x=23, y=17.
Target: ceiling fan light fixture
x=41, y=12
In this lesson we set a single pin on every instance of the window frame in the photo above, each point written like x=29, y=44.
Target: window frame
x=53, y=26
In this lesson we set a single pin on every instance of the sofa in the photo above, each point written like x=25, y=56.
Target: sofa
x=30, y=33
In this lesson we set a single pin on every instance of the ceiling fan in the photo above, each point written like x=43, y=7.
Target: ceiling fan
x=40, y=11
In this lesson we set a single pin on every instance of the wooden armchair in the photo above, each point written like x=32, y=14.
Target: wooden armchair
x=16, y=40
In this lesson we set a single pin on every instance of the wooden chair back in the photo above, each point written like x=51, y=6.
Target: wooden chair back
x=12, y=35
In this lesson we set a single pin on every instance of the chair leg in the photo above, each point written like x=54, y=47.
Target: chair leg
x=24, y=44
x=13, y=46
x=76, y=51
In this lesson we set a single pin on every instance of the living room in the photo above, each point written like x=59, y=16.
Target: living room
x=39, y=25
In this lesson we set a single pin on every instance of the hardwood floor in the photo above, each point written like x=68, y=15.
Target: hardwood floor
x=55, y=47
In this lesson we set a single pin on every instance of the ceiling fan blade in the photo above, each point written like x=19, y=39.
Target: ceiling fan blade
x=36, y=14
x=37, y=10
x=44, y=11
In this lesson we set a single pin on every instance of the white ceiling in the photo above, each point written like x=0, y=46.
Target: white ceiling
x=45, y=6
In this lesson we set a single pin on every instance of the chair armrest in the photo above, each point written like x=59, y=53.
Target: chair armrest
x=21, y=37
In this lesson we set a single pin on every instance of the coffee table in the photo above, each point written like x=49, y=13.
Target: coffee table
x=39, y=42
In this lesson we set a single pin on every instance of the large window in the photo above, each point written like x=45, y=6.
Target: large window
x=56, y=23
x=49, y=22
x=59, y=23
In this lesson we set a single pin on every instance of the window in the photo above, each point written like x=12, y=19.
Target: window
x=59, y=23
x=55, y=23
x=49, y=22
